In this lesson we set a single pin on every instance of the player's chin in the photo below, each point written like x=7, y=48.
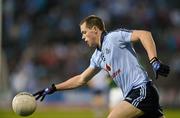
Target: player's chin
x=91, y=45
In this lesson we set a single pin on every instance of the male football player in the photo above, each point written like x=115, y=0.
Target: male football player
x=115, y=53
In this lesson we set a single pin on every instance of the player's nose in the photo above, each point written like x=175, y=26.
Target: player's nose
x=83, y=37
x=86, y=40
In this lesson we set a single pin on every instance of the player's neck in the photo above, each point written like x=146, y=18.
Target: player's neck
x=101, y=38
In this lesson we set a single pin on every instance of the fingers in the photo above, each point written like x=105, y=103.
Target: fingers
x=163, y=70
x=39, y=95
x=35, y=94
x=42, y=98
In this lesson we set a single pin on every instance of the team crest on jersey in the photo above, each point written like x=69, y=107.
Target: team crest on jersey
x=116, y=73
x=107, y=51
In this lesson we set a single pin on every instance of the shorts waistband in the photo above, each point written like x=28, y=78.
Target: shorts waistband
x=149, y=83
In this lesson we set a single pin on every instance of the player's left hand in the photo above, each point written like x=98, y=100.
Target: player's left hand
x=42, y=93
x=159, y=68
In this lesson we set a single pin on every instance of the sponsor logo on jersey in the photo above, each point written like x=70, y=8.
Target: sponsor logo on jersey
x=116, y=73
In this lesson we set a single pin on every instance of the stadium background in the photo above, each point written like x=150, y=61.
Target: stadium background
x=41, y=44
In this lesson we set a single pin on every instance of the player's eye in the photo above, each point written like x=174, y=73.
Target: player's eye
x=83, y=32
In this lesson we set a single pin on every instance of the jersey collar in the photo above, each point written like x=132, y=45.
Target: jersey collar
x=104, y=33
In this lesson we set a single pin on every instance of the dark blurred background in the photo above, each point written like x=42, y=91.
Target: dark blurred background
x=41, y=43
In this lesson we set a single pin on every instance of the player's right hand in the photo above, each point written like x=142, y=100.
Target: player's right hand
x=42, y=93
x=159, y=68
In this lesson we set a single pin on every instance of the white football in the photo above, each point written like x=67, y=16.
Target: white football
x=24, y=104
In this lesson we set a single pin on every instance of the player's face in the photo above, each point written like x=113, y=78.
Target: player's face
x=89, y=35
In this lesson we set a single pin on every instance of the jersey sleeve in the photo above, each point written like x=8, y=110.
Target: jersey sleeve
x=121, y=36
x=96, y=60
x=93, y=62
x=125, y=35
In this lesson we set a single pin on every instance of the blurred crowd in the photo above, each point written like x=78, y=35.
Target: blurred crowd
x=41, y=41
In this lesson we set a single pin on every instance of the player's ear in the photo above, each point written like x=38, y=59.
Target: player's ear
x=95, y=29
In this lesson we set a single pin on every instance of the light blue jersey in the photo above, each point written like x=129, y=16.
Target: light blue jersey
x=117, y=56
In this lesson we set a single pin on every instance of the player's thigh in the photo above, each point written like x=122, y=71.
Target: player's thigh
x=125, y=110
x=115, y=97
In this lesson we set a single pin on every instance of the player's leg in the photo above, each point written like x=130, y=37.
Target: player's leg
x=146, y=99
x=125, y=110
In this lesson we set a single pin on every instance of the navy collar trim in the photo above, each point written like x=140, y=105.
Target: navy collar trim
x=104, y=33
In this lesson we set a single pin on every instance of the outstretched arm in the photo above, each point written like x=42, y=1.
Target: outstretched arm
x=71, y=83
x=78, y=80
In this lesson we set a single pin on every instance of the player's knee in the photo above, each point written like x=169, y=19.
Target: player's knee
x=117, y=115
x=113, y=116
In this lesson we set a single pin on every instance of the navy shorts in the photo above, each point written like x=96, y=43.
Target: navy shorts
x=146, y=98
